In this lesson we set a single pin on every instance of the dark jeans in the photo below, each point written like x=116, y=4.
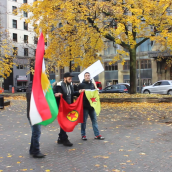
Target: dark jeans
x=62, y=135
x=93, y=117
x=36, y=133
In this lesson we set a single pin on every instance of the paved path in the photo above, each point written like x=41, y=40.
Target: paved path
x=131, y=145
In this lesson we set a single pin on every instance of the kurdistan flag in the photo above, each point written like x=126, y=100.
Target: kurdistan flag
x=43, y=107
x=93, y=98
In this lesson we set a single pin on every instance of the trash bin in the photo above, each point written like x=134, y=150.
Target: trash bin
x=1, y=102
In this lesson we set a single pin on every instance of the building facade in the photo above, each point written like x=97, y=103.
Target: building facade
x=23, y=38
x=117, y=73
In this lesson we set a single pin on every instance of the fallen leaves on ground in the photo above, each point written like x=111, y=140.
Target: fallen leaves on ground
x=15, y=98
x=131, y=110
x=138, y=95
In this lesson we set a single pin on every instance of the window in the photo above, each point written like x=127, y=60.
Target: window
x=165, y=83
x=24, y=1
x=35, y=52
x=126, y=65
x=25, y=38
x=15, y=51
x=21, y=66
x=15, y=24
x=25, y=51
x=109, y=67
x=61, y=73
x=145, y=64
x=118, y=87
x=25, y=14
x=110, y=49
x=35, y=40
x=157, y=84
x=15, y=37
x=60, y=25
x=14, y=10
x=19, y=84
x=144, y=47
x=25, y=26
x=109, y=88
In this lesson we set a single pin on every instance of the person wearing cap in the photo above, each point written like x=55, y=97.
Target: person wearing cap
x=65, y=88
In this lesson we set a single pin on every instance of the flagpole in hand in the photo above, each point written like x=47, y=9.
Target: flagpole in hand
x=94, y=84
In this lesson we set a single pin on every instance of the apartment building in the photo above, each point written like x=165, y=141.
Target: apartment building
x=23, y=38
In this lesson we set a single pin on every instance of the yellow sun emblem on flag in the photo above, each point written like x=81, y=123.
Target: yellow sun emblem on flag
x=72, y=116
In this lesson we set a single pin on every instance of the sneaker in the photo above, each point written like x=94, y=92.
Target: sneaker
x=39, y=155
x=84, y=138
x=99, y=137
x=67, y=143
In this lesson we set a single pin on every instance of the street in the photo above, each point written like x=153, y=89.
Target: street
x=133, y=142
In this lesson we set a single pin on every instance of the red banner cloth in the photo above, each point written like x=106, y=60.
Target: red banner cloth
x=70, y=114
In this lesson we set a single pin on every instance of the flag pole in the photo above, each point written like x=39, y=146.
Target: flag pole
x=94, y=84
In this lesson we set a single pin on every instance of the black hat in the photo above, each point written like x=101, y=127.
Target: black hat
x=67, y=74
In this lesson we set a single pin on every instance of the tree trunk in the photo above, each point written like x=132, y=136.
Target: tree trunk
x=133, y=71
x=70, y=66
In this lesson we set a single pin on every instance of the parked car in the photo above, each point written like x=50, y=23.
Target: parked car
x=114, y=89
x=127, y=85
x=160, y=87
x=21, y=89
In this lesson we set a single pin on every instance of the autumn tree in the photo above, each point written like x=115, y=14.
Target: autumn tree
x=76, y=30
x=7, y=53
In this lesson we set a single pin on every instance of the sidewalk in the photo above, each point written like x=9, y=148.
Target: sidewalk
x=132, y=144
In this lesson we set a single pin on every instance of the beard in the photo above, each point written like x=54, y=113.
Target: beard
x=68, y=83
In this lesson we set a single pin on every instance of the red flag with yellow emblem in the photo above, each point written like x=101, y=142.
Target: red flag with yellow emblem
x=70, y=114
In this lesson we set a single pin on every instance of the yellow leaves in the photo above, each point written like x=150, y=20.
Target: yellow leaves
x=6, y=58
x=9, y=155
x=71, y=150
x=123, y=95
x=97, y=165
x=99, y=156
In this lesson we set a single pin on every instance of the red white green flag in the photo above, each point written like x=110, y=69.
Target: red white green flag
x=70, y=114
x=43, y=107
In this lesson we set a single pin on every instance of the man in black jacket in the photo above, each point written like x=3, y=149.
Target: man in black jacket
x=65, y=88
x=36, y=129
x=87, y=84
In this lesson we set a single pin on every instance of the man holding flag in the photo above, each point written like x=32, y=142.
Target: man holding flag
x=91, y=104
x=41, y=103
x=66, y=90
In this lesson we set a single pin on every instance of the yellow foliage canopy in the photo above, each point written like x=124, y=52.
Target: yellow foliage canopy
x=85, y=25
x=6, y=57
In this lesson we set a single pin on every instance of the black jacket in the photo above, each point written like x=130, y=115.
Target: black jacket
x=61, y=88
x=28, y=97
x=86, y=85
